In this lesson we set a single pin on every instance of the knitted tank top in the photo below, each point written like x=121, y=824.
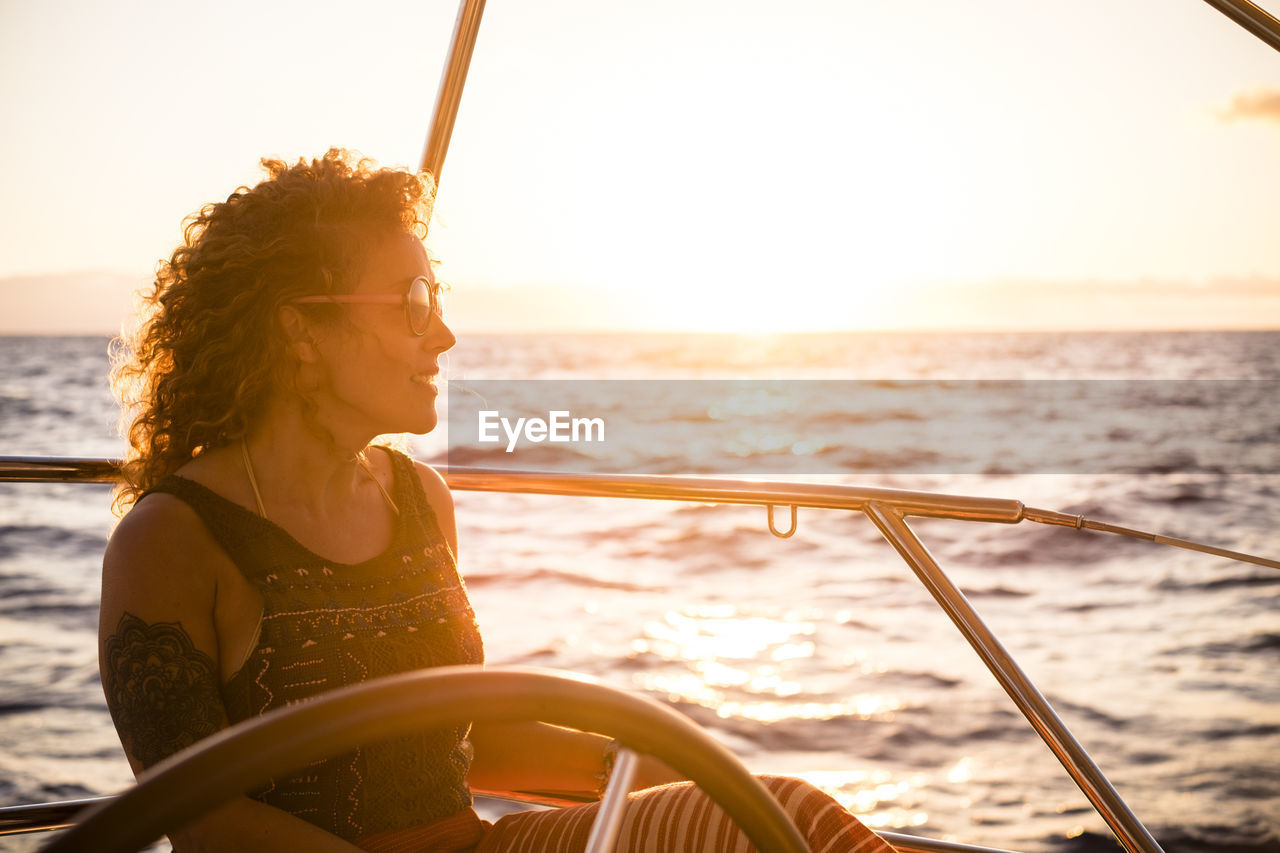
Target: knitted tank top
x=328, y=624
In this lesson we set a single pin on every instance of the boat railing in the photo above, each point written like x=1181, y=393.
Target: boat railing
x=888, y=509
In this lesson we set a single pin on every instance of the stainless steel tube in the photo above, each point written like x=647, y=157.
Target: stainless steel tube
x=43, y=817
x=1052, y=730
x=35, y=469
x=1254, y=19
x=55, y=469
x=38, y=469
x=613, y=805
x=1079, y=522
x=731, y=491
x=452, y=81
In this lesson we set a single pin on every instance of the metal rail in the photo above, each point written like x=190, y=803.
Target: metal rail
x=449, y=96
x=1039, y=713
x=43, y=817
x=57, y=469
x=613, y=803
x=732, y=491
x=33, y=469
x=1248, y=15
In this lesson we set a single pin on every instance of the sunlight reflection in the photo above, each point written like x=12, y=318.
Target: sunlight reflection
x=717, y=633
x=864, y=706
x=752, y=401
x=765, y=679
x=793, y=651
x=962, y=771
x=687, y=687
x=720, y=675
x=876, y=796
x=808, y=447
x=751, y=442
x=725, y=654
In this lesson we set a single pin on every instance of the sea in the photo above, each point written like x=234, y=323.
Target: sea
x=818, y=655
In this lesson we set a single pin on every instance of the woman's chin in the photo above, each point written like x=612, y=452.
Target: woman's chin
x=418, y=423
x=425, y=424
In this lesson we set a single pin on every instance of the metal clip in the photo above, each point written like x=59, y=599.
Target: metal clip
x=774, y=530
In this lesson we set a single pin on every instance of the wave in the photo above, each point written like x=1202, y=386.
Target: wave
x=1090, y=713
x=1255, y=833
x=536, y=577
x=907, y=677
x=1049, y=547
x=42, y=539
x=994, y=592
x=1245, y=581
x=856, y=735
x=1240, y=730
x=1259, y=835
x=1248, y=645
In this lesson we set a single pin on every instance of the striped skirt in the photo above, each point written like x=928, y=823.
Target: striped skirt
x=676, y=818
x=679, y=818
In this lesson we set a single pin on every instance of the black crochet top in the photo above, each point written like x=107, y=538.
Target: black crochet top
x=329, y=624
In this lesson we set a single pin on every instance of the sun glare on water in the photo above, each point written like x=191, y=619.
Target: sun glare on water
x=740, y=666
x=751, y=667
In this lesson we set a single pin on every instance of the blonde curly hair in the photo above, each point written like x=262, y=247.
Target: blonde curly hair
x=208, y=351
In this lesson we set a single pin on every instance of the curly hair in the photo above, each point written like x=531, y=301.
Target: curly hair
x=208, y=353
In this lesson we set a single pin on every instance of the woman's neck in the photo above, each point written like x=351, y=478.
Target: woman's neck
x=297, y=463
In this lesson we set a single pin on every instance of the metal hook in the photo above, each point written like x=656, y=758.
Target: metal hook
x=774, y=530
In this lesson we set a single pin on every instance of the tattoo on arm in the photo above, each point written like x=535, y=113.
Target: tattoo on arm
x=162, y=690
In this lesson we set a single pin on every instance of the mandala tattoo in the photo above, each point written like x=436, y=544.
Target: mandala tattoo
x=162, y=690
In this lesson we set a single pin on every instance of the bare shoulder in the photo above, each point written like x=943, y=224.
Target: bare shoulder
x=441, y=501
x=158, y=526
x=433, y=484
x=160, y=563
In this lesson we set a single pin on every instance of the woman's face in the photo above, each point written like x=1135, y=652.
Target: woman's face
x=381, y=377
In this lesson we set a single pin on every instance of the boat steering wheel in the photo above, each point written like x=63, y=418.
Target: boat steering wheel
x=225, y=765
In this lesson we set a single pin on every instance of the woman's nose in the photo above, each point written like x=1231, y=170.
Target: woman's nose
x=439, y=336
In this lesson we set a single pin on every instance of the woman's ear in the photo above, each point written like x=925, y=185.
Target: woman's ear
x=299, y=333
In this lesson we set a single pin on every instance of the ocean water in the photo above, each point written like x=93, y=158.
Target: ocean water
x=818, y=655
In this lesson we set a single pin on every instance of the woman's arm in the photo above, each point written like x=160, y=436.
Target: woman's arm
x=536, y=758
x=545, y=759
x=158, y=656
x=533, y=756
x=157, y=646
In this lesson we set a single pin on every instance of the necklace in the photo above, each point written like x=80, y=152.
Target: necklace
x=360, y=460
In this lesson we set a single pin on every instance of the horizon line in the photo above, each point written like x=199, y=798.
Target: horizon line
x=897, y=330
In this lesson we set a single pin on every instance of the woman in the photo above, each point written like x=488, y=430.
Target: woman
x=270, y=552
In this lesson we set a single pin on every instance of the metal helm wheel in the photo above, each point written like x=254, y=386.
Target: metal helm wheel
x=229, y=763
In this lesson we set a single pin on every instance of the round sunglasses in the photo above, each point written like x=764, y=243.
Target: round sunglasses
x=421, y=301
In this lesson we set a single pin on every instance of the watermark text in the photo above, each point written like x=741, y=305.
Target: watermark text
x=559, y=426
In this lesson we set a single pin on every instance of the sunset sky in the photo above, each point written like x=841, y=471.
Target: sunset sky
x=717, y=165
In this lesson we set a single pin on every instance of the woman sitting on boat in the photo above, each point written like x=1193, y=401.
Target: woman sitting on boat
x=270, y=552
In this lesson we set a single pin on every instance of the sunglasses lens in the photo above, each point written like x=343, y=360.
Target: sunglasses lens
x=421, y=306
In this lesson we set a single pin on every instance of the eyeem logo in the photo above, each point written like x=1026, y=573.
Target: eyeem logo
x=559, y=427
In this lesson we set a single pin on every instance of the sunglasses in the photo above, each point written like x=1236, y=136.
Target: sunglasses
x=421, y=302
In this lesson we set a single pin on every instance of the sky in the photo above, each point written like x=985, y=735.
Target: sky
x=701, y=165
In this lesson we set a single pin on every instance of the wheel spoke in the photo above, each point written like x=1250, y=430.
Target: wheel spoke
x=613, y=803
